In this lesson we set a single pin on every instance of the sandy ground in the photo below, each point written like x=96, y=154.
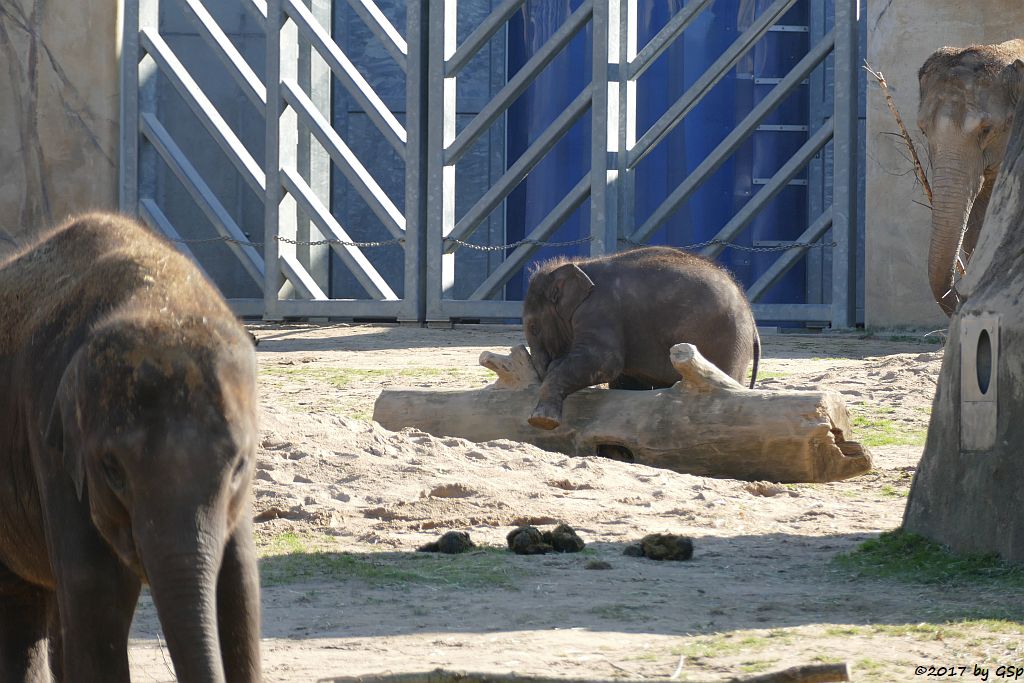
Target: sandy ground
x=345, y=594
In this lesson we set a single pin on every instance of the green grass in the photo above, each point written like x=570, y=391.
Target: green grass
x=359, y=405
x=892, y=492
x=342, y=377
x=769, y=374
x=902, y=556
x=291, y=558
x=871, y=430
x=728, y=644
x=958, y=629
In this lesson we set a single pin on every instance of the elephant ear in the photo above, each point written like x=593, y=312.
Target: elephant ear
x=569, y=287
x=64, y=431
x=1013, y=79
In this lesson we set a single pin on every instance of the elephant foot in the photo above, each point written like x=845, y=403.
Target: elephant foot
x=545, y=417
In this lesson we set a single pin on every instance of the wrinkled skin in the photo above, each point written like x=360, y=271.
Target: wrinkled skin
x=968, y=96
x=127, y=442
x=613, y=319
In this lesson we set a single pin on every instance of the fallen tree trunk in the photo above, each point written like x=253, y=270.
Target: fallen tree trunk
x=706, y=424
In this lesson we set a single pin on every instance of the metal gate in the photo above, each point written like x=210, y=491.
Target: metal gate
x=297, y=218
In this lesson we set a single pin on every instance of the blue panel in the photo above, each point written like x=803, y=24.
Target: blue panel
x=679, y=67
x=549, y=95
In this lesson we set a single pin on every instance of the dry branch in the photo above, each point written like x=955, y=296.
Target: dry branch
x=918, y=168
x=814, y=673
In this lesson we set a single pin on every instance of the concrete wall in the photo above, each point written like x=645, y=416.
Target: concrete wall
x=901, y=35
x=58, y=112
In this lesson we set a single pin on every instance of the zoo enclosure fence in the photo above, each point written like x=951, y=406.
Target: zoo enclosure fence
x=286, y=150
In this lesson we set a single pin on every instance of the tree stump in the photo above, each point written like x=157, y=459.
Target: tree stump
x=706, y=424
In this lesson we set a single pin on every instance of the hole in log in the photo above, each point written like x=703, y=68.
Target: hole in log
x=614, y=451
x=984, y=360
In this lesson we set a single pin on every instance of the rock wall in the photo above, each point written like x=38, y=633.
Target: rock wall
x=58, y=112
x=901, y=35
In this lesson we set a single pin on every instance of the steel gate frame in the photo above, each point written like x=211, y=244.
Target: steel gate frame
x=432, y=60
x=278, y=181
x=616, y=149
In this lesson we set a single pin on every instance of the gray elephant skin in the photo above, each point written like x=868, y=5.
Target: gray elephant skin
x=127, y=447
x=968, y=96
x=614, y=318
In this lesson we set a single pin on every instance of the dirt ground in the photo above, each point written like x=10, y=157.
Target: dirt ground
x=347, y=502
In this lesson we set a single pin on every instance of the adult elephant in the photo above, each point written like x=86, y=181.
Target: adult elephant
x=968, y=96
x=127, y=447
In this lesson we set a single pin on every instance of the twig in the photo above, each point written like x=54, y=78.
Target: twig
x=918, y=169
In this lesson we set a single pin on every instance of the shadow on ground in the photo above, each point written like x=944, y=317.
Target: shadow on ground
x=741, y=582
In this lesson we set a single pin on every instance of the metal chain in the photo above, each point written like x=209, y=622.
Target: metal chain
x=742, y=247
x=502, y=247
x=513, y=245
x=634, y=243
x=286, y=240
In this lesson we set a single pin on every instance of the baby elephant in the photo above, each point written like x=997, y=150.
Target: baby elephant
x=613, y=319
x=127, y=447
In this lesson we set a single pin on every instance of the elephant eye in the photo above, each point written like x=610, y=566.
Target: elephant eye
x=238, y=470
x=113, y=472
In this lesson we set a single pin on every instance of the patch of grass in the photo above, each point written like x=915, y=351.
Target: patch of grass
x=958, y=629
x=769, y=374
x=342, y=377
x=728, y=644
x=891, y=492
x=756, y=667
x=911, y=558
x=291, y=558
x=872, y=430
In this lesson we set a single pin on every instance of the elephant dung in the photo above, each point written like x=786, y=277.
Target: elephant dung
x=707, y=424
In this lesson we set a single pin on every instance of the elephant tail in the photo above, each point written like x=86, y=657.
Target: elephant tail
x=757, y=355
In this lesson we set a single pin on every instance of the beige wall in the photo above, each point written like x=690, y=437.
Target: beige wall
x=58, y=112
x=901, y=35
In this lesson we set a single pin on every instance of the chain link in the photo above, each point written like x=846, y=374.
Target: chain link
x=286, y=240
x=513, y=245
x=503, y=247
x=690, y=247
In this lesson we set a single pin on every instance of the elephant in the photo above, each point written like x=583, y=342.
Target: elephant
x=967, y=99
x=127, y=445
x=614, y=318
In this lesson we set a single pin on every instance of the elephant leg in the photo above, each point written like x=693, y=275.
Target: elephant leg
x=96, y=596
x=585, y=365
x=96, y=613
x=24, y=649
x=238, y=607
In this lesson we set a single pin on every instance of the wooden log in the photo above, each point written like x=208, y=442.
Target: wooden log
x=706, y=424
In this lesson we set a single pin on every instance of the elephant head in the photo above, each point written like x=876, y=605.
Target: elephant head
x=968, y=96
x=556, y=290
x=156, y=421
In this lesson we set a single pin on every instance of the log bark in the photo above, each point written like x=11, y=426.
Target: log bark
x=706, y=424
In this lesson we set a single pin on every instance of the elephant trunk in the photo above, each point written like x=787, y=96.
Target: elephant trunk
x=183, y=582
x=955, y=187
